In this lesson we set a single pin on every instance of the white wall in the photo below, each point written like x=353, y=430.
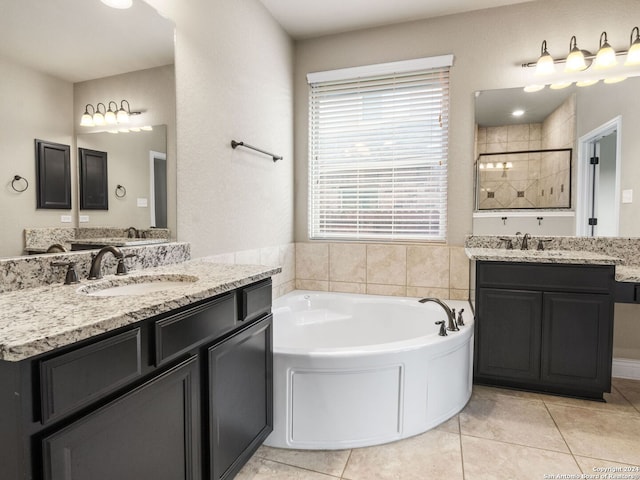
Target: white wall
x=488, y=46
x=32, y=105
x=234, y=74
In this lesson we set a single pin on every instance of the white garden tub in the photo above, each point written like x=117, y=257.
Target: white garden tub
x=356, y=370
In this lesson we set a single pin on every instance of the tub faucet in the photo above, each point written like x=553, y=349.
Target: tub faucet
x=452, y=327
x=95, y=271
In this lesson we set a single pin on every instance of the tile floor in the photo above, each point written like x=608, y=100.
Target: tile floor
x=500, y=434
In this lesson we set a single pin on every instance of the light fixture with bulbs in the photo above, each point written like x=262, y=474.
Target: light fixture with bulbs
x=604, y=64
x=102, y=115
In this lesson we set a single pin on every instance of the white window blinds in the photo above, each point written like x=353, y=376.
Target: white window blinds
x=378, y=156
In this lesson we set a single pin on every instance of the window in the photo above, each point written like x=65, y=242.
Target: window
x=378, y=141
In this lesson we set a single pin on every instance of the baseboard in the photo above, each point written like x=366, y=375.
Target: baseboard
x=626, y=368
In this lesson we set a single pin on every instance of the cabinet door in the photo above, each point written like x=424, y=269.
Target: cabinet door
x=240, y=403
x=508, y=333
x=577, y=340
x=151, y=432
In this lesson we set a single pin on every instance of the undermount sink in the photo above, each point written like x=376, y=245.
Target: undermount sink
x=136, y=285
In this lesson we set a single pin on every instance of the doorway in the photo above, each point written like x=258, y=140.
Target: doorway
x=158, y=189
x=598, y=206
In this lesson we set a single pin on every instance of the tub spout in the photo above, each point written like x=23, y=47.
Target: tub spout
x=451, y=326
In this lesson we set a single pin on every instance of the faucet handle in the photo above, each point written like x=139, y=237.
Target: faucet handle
x=460, y=320
x=121, y=269
x=71, y=276
x=541, y=242
x=443, y=330
x=508, y=243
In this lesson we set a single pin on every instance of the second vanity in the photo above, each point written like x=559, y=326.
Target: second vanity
x=544, y=320
x=170, y=384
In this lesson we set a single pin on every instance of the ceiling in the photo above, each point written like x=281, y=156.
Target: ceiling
x=78, y=40
x=494, y=107
x=312, y=18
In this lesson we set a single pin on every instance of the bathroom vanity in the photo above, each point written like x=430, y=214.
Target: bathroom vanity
x=169, y=385
x=546, y=327
x=544, y=318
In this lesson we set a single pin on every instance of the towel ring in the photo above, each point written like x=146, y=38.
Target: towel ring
x=17, y=178
x=121, y=192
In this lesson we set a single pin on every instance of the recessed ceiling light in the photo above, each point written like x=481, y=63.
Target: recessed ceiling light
x=121, y=4
x=517, y=113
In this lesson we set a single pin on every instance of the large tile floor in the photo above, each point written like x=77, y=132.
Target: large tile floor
x=500, y=434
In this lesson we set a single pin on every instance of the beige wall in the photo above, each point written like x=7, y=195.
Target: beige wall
x=488, y=46
x=153, y=92
x=234, y=74
x=32, y=105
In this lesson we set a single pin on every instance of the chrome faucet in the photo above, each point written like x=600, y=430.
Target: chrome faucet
x=525, y=242
x=95, y=270
x=132, y=232
x=452, y=326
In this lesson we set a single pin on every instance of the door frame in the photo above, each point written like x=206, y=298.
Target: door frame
x=583, y=173
x=152, y=188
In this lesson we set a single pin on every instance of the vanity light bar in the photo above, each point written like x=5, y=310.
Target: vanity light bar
x=604, y=61
x=93, y=116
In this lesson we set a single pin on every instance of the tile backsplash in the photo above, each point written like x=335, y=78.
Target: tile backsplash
x=401, y=270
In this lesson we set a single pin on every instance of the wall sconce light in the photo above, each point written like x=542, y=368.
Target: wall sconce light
x=605, y=62
x=576, y=59
x=545, y=64
x=633, y=55
x=606, y=56
x=103, y=116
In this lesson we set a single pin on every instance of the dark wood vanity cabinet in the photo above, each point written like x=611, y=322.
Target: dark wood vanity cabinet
x=545, y=327
x=185, y=395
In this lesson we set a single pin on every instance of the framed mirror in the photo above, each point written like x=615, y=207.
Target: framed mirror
x=53, y=174
x=94, y=183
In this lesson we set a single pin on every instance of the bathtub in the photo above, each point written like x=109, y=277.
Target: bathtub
x=357, y=370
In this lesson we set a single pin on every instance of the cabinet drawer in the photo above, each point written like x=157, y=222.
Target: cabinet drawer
x=547, y=277
x=74, y=379
x=255, y=301
x=181, y=332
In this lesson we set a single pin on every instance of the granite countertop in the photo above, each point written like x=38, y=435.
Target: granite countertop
x=627, y=274
x=118, y=241
x=541, y=256
x=38, y=320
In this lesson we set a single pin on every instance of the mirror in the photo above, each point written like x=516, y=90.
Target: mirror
x=57, y=56
x=581, y=116
x=134, y=164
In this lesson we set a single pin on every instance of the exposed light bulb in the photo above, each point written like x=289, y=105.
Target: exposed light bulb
x=533, y=88
x=560, y=85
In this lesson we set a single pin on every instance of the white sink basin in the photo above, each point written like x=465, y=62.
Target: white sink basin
x=136, y=285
